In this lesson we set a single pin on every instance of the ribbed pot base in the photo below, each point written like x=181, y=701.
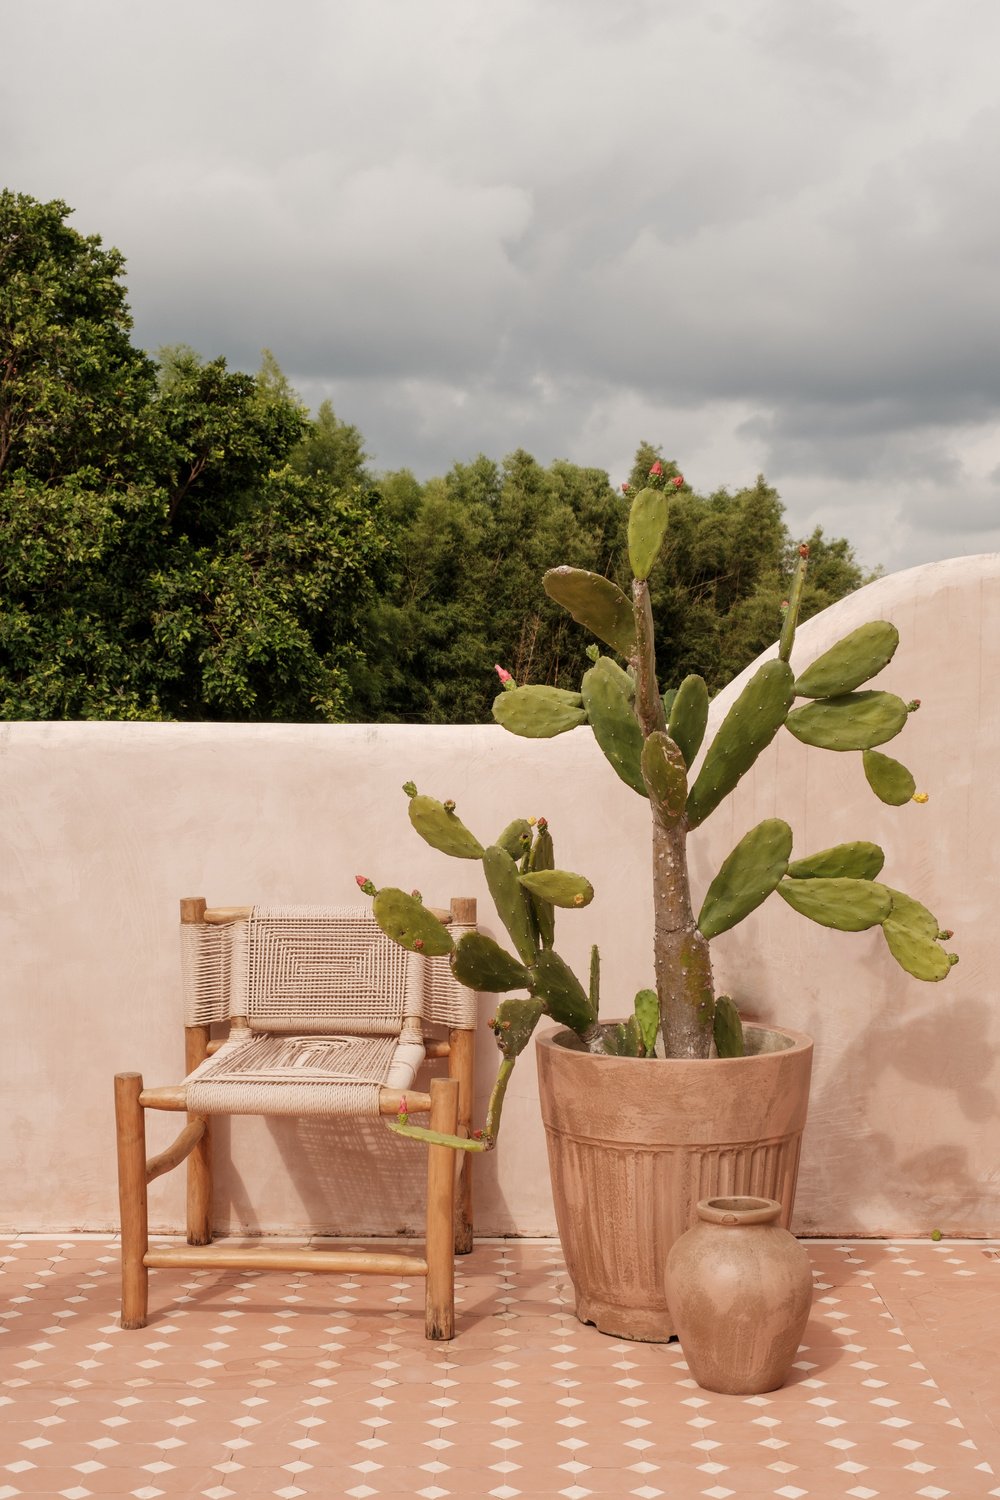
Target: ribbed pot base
x=635, y=1143
x=641, y=1325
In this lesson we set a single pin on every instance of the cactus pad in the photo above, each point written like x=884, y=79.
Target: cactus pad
x=647, y=525
x=510, y=901
x=749, y=726
x=853, y=721
x=537, y=712
x=849, y=663
x=514, y=1022
x=542, y=857
x=787, y=638
x=747, y=877
x=596, y=603
x=440, y=828
x=615, y=726
x=482, y=964
x=665, y=776
x=566, y=1001
x=858, y=861
x=911, y=932
x=647, y=1015
x=889, y=779
x=689, y=716
x=561, y=887
x=407, y=921
x=727, y=1028
x=516, y=838
x=849, y=905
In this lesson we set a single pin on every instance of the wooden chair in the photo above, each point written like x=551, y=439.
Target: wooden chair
x=325, y=1016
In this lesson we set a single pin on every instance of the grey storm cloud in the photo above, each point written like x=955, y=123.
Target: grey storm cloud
x=760, y=233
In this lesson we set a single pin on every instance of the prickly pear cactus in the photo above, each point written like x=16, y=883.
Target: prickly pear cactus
x=652, y=739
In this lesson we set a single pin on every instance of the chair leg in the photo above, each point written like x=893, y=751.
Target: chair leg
x=131, y=1127
x=460, y=1066
x=440, y=1305
x=199, y=1163
x=199, y=1189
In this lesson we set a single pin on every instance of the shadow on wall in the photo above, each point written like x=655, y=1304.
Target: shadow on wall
x=348, y=1177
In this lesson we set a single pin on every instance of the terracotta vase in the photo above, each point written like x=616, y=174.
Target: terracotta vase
x=739, y=1288
x=635, y=1143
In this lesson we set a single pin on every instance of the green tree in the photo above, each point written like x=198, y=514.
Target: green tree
x=331, y=450
x=159, y=558
x=74, y=392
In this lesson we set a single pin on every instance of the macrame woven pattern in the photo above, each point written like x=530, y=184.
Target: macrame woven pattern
x=301, y=1075
x=206, y=972
x=333, y=1009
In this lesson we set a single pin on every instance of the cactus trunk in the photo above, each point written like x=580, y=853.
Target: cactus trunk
x=684, y=985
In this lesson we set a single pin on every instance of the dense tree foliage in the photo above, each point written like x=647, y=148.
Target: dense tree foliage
x=179, y=540
x=168, y=549
x=473, y=547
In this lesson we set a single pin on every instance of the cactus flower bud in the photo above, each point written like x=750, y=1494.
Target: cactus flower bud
x=784, y=606
x=919, y=797
x=532, y=822
x=416, y=896
x=945, y=934
x=491, y=1023
x=804, y=549
x=418, y=944
x=366, y=885
x=626, y=487
x=656, y=470
x=543, y=823
x=506, y=680
x=449, y=805
x=410, y=788
x=477, y=1135
x=913, y=705
x=678, y=481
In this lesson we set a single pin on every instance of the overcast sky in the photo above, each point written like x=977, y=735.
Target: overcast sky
x=764, y=234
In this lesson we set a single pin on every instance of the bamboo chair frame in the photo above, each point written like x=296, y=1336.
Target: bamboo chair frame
x=449, y=1209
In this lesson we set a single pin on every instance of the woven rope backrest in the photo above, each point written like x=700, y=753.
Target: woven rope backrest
x=317, y=968
x=206, y=972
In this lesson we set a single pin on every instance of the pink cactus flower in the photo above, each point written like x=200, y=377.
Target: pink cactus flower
x=656, y=470
x=503, y=675
x=678, y=481
x=362, y=880
x=626, y=487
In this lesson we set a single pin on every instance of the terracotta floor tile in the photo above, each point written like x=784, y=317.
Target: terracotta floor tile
x=271, y=1385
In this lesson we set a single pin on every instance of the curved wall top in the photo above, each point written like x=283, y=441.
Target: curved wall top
x=906, y=1084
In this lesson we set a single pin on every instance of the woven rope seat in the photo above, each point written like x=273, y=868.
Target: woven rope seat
x=307, y=1010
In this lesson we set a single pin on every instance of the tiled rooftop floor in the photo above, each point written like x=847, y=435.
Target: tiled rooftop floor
x=287, y=1385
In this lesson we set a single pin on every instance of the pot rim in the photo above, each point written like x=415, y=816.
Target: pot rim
x=800, y=1042
x=738, y=1210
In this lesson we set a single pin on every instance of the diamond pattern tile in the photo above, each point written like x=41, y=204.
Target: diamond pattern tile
x=291, y=1386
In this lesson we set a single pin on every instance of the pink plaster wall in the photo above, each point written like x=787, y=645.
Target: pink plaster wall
x=106, y=825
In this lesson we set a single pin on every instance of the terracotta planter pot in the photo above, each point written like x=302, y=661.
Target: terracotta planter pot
x=635, y=1143
x=739, y=1288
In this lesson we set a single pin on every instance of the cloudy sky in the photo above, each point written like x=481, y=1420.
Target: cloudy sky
x=764, y=234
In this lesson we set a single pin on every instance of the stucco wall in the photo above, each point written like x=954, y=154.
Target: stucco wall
x=106, y=825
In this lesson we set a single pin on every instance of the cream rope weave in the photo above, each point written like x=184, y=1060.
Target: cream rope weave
x=301, y=1075
x=333, y=1010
